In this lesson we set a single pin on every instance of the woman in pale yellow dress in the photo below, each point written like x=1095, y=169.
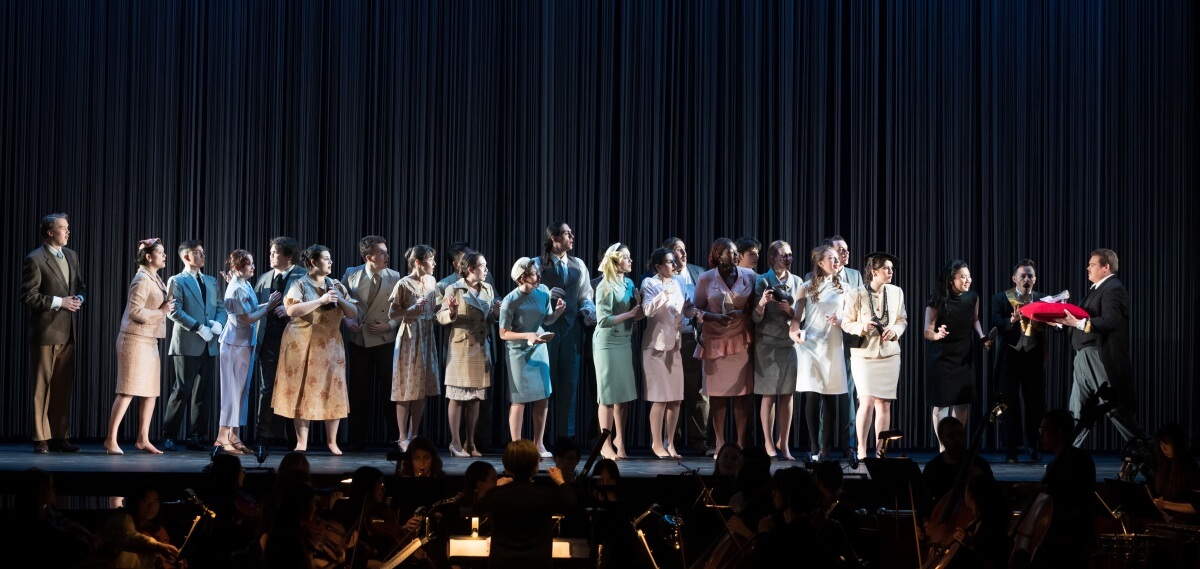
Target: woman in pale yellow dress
x=138, y=368
x=415, y=365
x=310, y=384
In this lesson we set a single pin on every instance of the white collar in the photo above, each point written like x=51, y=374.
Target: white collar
x=189, y=271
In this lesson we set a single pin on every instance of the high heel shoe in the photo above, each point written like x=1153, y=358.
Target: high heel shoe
x=459, y=453
x=657, y=455
x=402, y=444
x=474, y=452
x=114, y=450
x=241, y=447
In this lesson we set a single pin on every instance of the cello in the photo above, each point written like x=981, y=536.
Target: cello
x=951, y=512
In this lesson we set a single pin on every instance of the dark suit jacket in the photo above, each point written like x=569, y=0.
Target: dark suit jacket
x=41, y=281
x=273, y=325
x=1108, y=330
x=522, y=536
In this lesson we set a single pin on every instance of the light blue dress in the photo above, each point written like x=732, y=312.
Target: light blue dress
x=528, y=365
x=612, y=343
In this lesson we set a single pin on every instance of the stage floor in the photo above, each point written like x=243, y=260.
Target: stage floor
x=92, y=459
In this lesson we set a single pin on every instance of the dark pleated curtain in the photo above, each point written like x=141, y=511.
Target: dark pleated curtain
x=986, y=131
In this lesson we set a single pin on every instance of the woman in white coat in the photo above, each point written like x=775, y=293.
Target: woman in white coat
x=665, y=305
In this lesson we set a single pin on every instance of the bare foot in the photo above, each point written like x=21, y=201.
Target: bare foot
x=146, y=446
x=335, y=450
x=674, y=454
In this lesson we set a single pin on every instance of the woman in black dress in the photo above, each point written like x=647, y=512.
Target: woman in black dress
x=952, y=328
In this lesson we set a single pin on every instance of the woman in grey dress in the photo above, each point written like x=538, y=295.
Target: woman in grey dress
x=138, y=368
x=237, y=345
x=612, y=348
x=522, y=314
x=774, y=352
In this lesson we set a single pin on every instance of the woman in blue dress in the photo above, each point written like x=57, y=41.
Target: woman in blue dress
x=522, y=314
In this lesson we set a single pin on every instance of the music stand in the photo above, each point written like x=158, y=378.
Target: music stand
x=1132, y=499
x=897, y=479
x=405, y=553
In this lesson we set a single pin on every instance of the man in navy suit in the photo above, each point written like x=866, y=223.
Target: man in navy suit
x=1101, y=343
x=52, y=288
x=199, y=317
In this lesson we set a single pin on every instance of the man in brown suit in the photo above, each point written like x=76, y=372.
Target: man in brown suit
x=52, y=287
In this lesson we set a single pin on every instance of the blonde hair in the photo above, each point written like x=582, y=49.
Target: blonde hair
x=611, y=264
x=819, y=274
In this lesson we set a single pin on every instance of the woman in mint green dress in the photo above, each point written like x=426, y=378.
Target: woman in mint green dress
x=617, y=307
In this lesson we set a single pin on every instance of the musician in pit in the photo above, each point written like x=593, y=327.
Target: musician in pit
x=1020, y=362
x=1070, y=480
x=1176, y=475
x=941, y=471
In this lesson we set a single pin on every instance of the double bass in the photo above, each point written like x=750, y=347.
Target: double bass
x=951, y=512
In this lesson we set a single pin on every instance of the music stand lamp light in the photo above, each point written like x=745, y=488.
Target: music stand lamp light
x=886, y=438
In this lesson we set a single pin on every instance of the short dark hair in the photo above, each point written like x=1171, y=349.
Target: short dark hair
x=744, y=244
x=288, y=247
x=1061, y=419
x=669, y=243
x=1107, y=257
x=456, y=250
x=311, y=254
x=1024, y=263
x=47, y=223
x=797, y=488
x=565, y=445
x=658, y=257
x=188, y=245
x=946, y=422
x=367, y=244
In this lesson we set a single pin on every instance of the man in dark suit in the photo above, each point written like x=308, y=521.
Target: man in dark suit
x=1101, y=343
x=284, y=271
x=1020, y=361
x=52, y=288
x=695, y=404
x=199, y=317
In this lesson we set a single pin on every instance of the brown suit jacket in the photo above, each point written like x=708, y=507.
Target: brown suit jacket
x=41, y=281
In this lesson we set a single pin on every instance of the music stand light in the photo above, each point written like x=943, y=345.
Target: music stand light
x=886, y=438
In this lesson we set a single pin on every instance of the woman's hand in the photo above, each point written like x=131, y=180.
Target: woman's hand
x=555, y=474
x=330, y=297
x=888, y=334
x=940, y=332
x=766, y=298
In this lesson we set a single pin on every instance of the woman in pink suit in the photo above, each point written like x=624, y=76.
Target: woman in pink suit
x=724, y=351
x=664, y=305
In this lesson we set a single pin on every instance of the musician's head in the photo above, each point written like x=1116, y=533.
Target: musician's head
x=607, y=472
x=1024, y=275
x=142, y=503
x=566, y=455
x=1101, y=263
x=423, y=461
x=953, y=436
x=521, y=460
x=1056, y=429
x=366, y=486
x=226, y=475
x=794, y=489
x=729, y=460
x=478, y=480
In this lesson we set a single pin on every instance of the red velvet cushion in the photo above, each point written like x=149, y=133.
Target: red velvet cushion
x=1051, y=311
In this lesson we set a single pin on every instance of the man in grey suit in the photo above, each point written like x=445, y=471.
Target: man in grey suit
x=284, y=271
x=567, y=278
x=371, y=336
x=699, y=435
x=52, y=288
x=847, y=404
x=199, y=316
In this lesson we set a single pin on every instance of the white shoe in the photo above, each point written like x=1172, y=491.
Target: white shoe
x=456, y=453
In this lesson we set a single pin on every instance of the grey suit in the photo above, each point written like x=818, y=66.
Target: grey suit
x=266, y=356
x=195, y=360
x=368, y=355
x=52, y=335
